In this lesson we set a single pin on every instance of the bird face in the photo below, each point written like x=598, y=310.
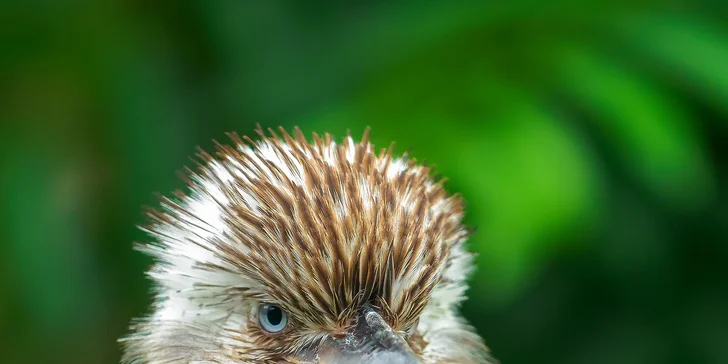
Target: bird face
x=289, y=251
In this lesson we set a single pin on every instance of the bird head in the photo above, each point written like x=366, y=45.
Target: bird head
x=285, y=250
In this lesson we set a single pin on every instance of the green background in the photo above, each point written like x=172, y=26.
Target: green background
x=589, y=140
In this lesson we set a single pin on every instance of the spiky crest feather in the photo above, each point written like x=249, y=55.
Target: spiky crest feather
x=318, y=228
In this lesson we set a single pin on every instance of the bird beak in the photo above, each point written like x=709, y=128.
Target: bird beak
x=371, y=340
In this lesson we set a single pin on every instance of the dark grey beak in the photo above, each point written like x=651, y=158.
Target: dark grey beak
x=371, y=340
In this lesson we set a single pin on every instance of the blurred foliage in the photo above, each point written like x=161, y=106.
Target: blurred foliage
x=588, y=139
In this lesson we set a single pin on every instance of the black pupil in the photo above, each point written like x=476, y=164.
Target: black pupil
x=274, y=315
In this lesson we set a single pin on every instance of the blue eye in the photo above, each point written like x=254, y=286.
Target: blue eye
x=272, y=318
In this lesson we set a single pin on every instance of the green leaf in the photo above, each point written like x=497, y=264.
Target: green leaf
x=693, y=50
x=651, y=133
x=537, y=183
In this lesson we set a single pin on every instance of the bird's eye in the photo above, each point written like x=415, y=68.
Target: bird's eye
x=272, y=318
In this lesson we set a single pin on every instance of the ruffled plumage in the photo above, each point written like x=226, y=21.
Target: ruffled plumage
x=318, y=228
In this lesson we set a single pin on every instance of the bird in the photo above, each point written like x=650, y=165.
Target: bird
x=289, y=250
